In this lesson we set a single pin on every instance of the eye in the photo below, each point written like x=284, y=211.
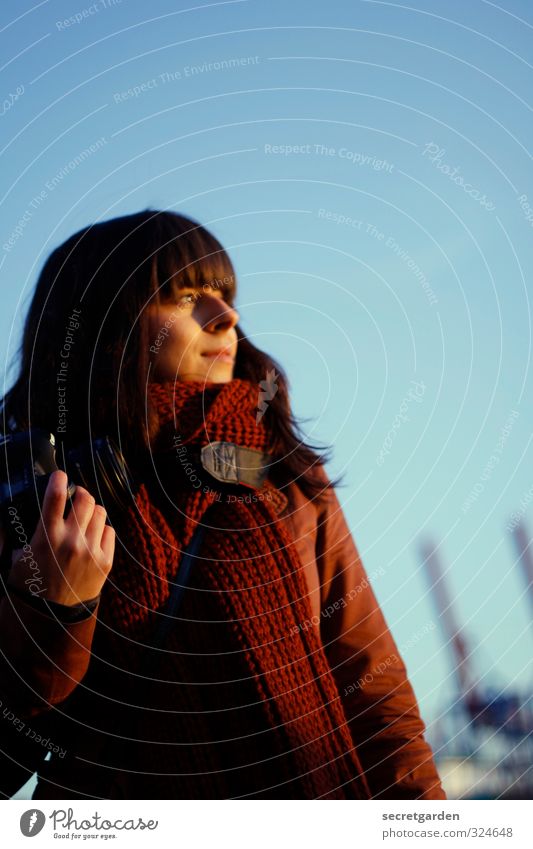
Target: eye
x=192, y=296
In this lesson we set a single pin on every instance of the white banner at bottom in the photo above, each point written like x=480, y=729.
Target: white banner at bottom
x=268, y=824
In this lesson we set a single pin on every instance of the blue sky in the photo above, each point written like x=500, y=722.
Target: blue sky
x=367, y=165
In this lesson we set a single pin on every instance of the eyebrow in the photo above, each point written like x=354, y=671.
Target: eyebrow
x=224, y=288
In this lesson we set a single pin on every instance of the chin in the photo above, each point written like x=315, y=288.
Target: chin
x=218, y=379
x=219, y=374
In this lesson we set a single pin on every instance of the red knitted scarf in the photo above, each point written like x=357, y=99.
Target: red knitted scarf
x=238, y=702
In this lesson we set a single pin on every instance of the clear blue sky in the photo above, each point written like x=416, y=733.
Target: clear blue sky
x=415, y=123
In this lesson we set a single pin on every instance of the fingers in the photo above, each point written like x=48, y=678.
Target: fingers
x=83, y=505
x=54, y=501
x=86, y=518
x=108, y=543
x=95, y=527
x=101, y=536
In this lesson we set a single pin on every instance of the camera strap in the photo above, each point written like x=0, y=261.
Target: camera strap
x=178, y=586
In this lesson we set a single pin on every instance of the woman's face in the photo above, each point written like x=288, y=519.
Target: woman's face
x=187, y=337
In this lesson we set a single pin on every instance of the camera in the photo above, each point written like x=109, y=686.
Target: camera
x=28, y=458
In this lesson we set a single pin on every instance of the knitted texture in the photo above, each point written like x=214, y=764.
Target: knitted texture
x=240, y=700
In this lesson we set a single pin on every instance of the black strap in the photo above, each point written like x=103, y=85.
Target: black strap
x=66, y=613
x=178, y=589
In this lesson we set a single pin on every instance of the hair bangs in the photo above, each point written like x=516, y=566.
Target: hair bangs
x=192, y=260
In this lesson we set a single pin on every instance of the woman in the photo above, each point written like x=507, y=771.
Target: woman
x=229, y=644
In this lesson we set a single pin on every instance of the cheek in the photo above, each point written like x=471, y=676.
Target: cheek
x=180, y=347
x=169, y=338
x=181, y=337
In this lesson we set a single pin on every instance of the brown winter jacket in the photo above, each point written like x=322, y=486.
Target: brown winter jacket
x=42, y=662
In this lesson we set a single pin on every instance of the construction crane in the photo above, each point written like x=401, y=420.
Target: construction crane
x=480, y=707
x=485, y=736
x=525, y=557
x=451, y=632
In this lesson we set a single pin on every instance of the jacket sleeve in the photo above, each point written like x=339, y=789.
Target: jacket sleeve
x=378, y=700
x=42, y=659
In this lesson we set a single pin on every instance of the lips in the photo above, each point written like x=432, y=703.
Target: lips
x=224, y=354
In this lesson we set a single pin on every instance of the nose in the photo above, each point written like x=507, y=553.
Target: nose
x=218, y=315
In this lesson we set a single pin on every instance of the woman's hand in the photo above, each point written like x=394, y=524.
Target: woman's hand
x=70, y=558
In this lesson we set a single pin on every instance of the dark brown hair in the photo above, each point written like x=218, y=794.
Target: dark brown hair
x=102, y=279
